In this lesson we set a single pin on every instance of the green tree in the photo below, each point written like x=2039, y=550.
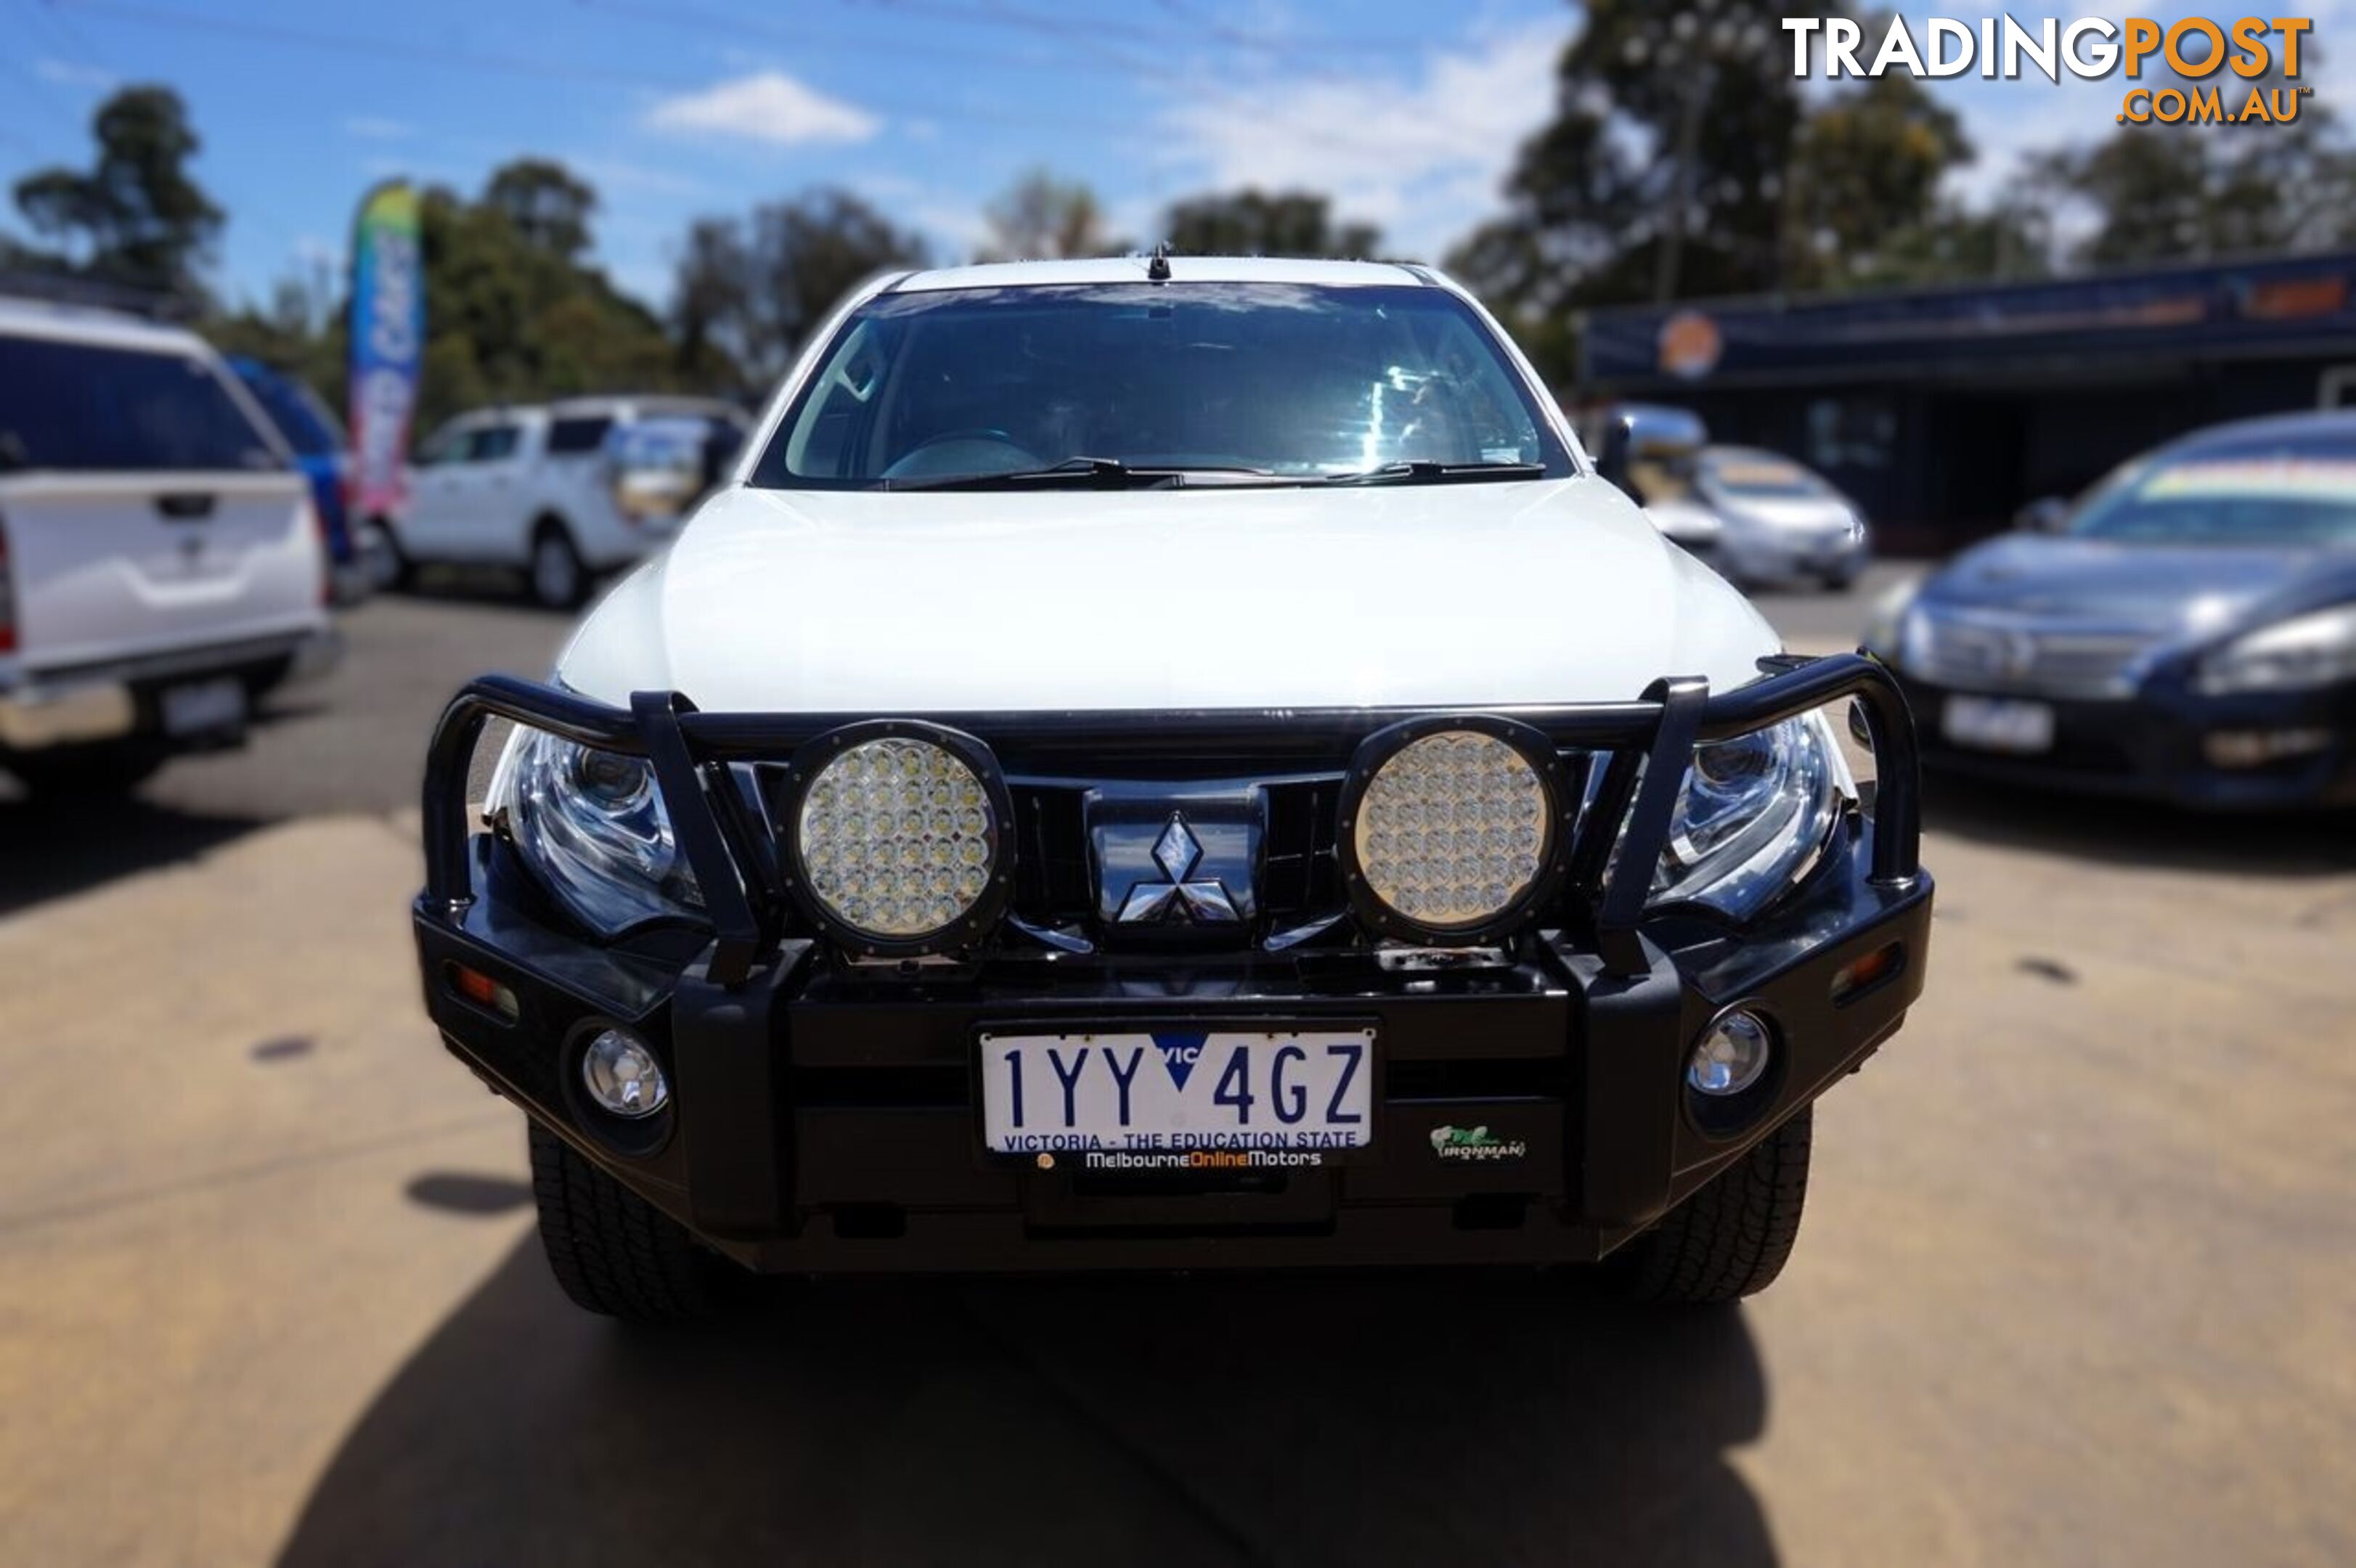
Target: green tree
x=1957, y=244
x=511, y=316
x=1251, y=223
x=1041, y=218
x=753, y=289
x=300, y=329
x=1683, y=160
x=1663, y=171
x=2157, y=195
x=709, y=294
x=1861, y=190
x=1662, y=174
x=137, y=217
x=547, y=206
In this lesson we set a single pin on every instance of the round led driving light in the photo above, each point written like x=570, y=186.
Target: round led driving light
x=1450, y=833
x=1732, y=1055
x=899, y=837
x=622, y=1077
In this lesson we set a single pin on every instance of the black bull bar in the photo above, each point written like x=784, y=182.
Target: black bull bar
x=1649, y=743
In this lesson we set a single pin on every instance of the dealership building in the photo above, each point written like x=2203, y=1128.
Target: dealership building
x=1943, y=410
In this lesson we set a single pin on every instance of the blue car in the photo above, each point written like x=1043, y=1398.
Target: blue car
x=2185, y=633
x=317, y=438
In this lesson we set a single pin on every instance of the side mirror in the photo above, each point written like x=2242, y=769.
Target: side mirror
x=2046, y=515
x=1612, y=458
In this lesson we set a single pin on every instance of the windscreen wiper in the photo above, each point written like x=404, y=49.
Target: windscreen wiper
x=1085, y=473
x=1424, y=472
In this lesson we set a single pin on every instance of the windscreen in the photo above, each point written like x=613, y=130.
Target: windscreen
x=2285, y=491
x=1763, y=476
x=1284, y=380
x=77, y=407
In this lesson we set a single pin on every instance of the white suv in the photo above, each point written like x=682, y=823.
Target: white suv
x=536, y=489
x=161, y=562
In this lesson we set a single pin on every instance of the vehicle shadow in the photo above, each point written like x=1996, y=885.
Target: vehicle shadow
x=1469, y=1417
x=2141, y=833
x=49, y=849
x=503, y=586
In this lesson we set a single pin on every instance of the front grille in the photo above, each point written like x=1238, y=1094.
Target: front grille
x=1987, y=654
x=1054, y=880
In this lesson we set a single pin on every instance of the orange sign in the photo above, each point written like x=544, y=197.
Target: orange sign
x=1690, y=344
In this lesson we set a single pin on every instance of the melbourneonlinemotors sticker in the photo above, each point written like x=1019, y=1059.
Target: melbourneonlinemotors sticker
x=1475, y=1146
x=2205, y=54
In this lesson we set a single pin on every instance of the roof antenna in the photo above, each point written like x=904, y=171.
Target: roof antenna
x=1157, y=270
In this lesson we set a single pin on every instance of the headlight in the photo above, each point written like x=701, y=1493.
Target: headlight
x=900, y=839
x=2310, y=650
x=592, y=825
x=1448, y=826
x=1754, y=815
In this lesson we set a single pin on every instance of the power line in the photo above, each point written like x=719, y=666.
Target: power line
x=802, y=34
x=1128, y=128
x=1198, y=24
x=545, y=69
x=76, y=128
x=1191, y=82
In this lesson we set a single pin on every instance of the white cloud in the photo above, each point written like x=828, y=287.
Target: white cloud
x=1422, y=155
x=377, y=128
x=767, y=106
x=65, y=73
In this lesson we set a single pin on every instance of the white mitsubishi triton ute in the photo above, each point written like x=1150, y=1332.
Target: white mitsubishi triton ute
x=1170, y=764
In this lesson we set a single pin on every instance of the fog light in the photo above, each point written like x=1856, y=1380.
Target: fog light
x=1733, y=1054
x=622, y=1075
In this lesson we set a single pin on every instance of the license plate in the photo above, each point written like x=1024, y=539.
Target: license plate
x=1997, y=724
x=204, y=704
x=1179, y=1099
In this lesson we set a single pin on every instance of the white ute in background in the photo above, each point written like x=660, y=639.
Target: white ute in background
x=557, y=491
x=161, y=563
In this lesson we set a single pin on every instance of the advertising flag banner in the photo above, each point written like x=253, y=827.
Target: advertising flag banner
x=388, y=337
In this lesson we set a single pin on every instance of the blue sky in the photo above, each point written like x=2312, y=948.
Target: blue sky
x=1408, y=111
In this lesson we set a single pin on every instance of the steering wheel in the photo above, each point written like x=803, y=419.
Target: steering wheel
x=980, y=450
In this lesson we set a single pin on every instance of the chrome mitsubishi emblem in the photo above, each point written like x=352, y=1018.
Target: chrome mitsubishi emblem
x=1203, y=902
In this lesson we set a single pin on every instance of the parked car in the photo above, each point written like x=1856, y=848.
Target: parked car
x=1169, y=763
x=2187, y=632
x=161, y=563
x=1778, y=520
x=315, y=436
x=1654, y=454
x=533, y=488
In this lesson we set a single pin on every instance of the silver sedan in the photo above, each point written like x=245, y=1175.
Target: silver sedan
x=1778, y=521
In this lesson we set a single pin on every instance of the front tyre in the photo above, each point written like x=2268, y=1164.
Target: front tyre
x=612, y=1251
x=1731, y=1238
x=560, y=580
x=381, y=560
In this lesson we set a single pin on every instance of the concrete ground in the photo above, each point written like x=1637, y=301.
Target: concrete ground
x=2077, y=1284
